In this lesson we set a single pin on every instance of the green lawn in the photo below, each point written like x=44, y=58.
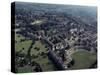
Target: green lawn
x=25, y=69
x=37, y=22
x=83, y=59
x=18, y=37
x=44, y=62
x=22, y=46
x=39, y=45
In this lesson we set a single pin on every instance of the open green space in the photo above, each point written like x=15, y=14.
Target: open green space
x=45, y=63
x=38, y=53
x=83, y=59
x=22, y=46
x=18, y=37
x=37, y=48
x=25, y=69
x=42, y=57
x=37, y=22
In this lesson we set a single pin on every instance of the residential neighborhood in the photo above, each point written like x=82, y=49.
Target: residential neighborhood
x=51, y=37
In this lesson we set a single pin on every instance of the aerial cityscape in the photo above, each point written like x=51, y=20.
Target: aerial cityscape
x=54, y=37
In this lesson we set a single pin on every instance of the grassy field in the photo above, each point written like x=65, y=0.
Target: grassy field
x=42, y=59
x=22, y=46
x=37, y=22
x=39, y=45
x=25, y=69
x=83, y=59
x=44, y=62
x=18, y=37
